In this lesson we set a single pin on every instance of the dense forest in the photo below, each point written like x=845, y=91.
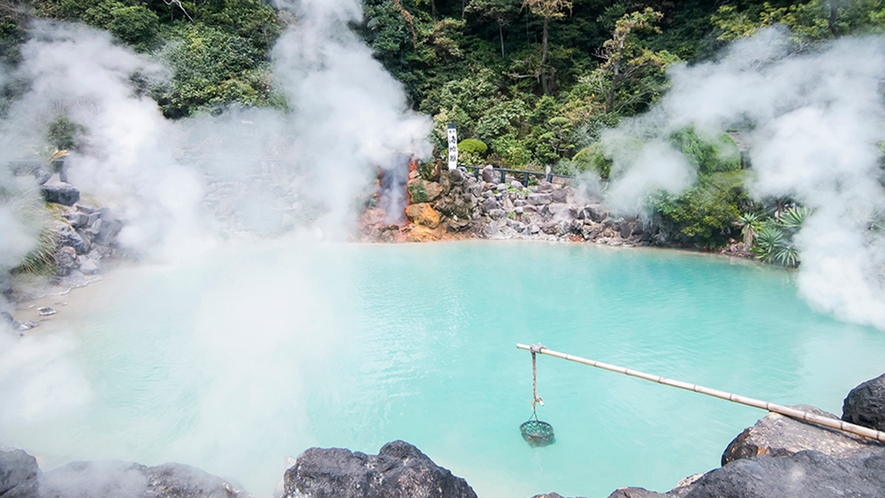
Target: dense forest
x=531, y=83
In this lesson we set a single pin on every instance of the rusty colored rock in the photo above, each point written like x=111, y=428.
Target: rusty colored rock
x=423, y=214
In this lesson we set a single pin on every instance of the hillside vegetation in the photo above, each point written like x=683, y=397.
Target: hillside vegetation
x=532, y=82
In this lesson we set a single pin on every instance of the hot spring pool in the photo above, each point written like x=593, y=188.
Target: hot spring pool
x=258, y=352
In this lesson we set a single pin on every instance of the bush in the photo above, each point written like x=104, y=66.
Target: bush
x=473, y=146
x=135, y=25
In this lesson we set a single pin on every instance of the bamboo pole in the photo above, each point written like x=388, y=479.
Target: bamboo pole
x=736, y=398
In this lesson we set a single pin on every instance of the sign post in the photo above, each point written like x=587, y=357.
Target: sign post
x=452, y=134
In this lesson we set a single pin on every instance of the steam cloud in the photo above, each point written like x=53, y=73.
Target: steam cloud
x=814, y=122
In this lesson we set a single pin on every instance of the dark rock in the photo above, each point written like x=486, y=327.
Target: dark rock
x=424, y=191
x=42, y=175
x=488, y=174
x=595, y=212
x=490, y=204
x=545, y=186
x=538, y=199
x=70, y=238
x=112, y=479
x=497, y=214
x=84, y=208
x=865, y=404
x=60, y=193
x=625, y=229
x=399, y=470
x=17, y=468
x=455, y=176
x=777, y=435
x=66, y=261
x=807, y=473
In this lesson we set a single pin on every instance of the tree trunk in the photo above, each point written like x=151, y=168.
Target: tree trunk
x=501, y=34
x=545, y=85
x=433, y=9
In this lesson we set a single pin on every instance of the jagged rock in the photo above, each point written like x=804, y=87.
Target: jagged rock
x=516, y=184
x=424, y=191
x=66, y=261
x=78, y=219
x=559, y=211
x=625, y=229
x=545, y=186
x=399, y=470
x=112, y=479
x=595, y=212
x=17, y=469
x=865, y=404
x=68, y=237
x=497, y=214
x=807, y=473
x=539, y=199
x=423, y=214
x=777, y=435
x=60, y=193
x=490, y=204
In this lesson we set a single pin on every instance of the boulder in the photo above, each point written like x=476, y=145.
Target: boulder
x=778, y=435
x=68, y=237
x=113, y=479
x=424, y=191
x=490, y=204
x=423, y=214
x=865, y=404
x=66, y=261
x=807, y=473
x=545, y=186
x=488, y=174
x=538, y=199
x=60, y=193
x=595, y=212
x=399, y=470
x=90, y=267
x=17, y=468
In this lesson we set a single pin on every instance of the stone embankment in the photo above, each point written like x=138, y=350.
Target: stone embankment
x=777, y=457
x=457, y=204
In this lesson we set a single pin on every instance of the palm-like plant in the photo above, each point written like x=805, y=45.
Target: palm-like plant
x=793, y=218
x=749, y=223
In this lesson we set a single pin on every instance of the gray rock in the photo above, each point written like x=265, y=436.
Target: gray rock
x=112, y=479
x=78, y=219
x=17, y=469
x=109, y=230
x=625, y=229
x=68, y=237
x=60, y=193
x=455, y=176
x=534, y=228
x=66, y=261
x=516, y=184
x=805, y=474
x=865, y=404
x=399, y=470
x=501, y=187
x=538, y=199
x=90, y=267
x=560, y=211
x=488, y=175
x=545, y=186
x=559, y=194
x=85, y=208
x=490, y=205
x=497, y=214
x=595, y=212
x=777, y=435
x=519, y=203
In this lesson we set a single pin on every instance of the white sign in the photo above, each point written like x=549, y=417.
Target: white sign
x=452, y=133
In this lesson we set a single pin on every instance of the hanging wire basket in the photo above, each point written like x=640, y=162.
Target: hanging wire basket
x=537, y=432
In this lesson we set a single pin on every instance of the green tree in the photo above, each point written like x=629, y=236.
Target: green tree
x=500, y=11
x=632, y=73
x=547, y=10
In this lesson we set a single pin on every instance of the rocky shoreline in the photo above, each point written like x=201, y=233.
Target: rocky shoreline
x=459, y=204
x=777, y=457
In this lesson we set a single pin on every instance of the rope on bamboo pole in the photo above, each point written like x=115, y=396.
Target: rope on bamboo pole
x=535, y=399
x=735, y=398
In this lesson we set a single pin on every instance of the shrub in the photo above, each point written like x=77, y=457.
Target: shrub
x=473, y=146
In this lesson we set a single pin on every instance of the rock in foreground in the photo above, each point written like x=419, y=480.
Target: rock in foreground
x=865, y=404
x=399, y=470
x=21, y=478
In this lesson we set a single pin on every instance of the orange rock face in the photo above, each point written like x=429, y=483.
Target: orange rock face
x=422, y=214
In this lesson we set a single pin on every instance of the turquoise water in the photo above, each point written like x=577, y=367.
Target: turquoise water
x=256, y=353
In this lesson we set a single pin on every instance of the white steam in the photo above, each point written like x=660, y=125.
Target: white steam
x=815, y=122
